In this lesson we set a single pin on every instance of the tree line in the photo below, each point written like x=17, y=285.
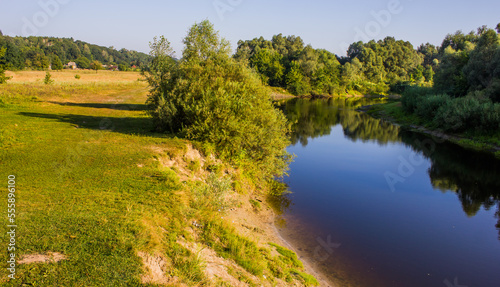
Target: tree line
x=465, y=96
x=40, y=53
x=376, y=67
x=369, y=68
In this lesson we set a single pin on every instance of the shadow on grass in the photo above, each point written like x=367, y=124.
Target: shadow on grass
x=125, y=125
x=121, y=107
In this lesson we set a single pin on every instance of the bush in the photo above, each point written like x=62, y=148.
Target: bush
x=490, y=117
x=468, y=113
x=412, y=96
x=3, y=77
x=209, y=97
x=47, y=80
x=428, y=105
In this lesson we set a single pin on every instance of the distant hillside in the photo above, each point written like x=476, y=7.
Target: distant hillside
x=39, y=53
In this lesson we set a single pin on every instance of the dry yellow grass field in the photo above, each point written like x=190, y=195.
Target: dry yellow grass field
x=68, y=76
x=28, y=86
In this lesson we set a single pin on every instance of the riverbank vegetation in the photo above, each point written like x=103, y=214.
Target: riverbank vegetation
x=466, y=92
x=464, y=100
x=209, y=97
x=372, y=68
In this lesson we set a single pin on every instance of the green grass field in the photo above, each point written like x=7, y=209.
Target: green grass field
x=91, y=185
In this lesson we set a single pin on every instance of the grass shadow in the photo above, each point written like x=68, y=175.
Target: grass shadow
x=124, y=125
x=121, y=107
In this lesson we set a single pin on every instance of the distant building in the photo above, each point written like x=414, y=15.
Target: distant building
x=70, y=65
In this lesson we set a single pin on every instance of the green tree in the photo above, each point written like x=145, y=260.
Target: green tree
x=267, y=62
x=373, y=65
x=308, y=61
x=429, y=74
x=208, y=96
x=47, y=80
x=3, y=78
x=352, y=72
x=160, y=75
x=290, y=46
x=87, y=52
x=482, y=71
x=83, y=62
x=56, y=63
x=37, y=59
x=429, y=52
x=400, y=59
x=123, y=67
x=326, y=79
x=458, y=41
x=246, y=49
x=203, y=43
x=96, y=66
x=450, y=78
x=294, y=79
x=14, y=58
x=417, y=75
x=354, y=50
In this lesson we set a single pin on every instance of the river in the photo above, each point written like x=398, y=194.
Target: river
x=374, y=205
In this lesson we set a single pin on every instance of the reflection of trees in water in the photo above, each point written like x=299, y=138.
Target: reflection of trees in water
x=279, y=201
x=315, y=118
x=360, y=126
x=310, y=118
x=473, y=176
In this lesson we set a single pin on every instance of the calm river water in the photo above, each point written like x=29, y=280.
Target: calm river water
x=373, y=205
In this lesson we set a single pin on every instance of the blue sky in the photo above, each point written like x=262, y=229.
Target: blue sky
x=330, y=25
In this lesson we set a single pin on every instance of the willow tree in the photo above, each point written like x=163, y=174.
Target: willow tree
x=208, y=96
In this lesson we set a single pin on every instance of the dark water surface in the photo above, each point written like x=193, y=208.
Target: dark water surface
x=374, y=205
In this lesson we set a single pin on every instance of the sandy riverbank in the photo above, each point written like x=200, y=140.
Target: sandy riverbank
x=261, y=226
